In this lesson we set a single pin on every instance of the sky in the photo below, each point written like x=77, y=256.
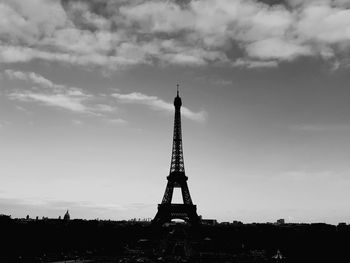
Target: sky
x=86, y=113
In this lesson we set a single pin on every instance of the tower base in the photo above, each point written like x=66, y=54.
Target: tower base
x=167, y=212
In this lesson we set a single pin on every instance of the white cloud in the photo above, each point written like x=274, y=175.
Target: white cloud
x=158, y=104
x=69, y=98
x=325, y=24
x=116, y=34
x=78, y=100
x=117, y=121
x=275, y=48
x=57, y=95
x=29, y=76
x=104, y=108
x=22, y=109
x=157, y=16
x=58, y=100
x=255, y=63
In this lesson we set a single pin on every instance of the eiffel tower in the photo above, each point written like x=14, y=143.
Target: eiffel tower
x=177, y=179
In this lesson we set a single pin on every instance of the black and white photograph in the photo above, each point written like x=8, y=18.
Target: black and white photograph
x=174, y=131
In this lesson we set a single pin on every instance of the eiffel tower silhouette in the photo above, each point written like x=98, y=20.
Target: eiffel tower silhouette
x=177, y=179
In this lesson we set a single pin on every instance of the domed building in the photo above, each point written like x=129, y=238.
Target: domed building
x=66, y=216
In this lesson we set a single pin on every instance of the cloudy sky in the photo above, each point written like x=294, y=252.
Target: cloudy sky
x=86, y=115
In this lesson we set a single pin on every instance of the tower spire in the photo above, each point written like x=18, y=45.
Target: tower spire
x=177, y=90
x=177, y=161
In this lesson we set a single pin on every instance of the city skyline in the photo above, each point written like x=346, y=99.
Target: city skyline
x=86, y=107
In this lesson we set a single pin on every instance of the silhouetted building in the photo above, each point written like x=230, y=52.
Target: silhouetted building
x=66, y=216
x=177, y=179
x=209, y=222
x=5, y=217
x=280, y=221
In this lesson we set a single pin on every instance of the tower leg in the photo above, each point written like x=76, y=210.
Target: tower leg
x=168, y=195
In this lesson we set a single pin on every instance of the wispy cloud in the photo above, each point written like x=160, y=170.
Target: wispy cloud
x=104, y=108
x=117, y=121
x=30, y=76
x=247, y=63
x=56, y=95
x=22, y=109
x=115, y=34
x=156, y=103
x=50, y=94
x=43, y=82
x=79, y=101
x=58, y=100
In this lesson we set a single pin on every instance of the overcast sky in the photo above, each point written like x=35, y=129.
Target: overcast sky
x=86, y=114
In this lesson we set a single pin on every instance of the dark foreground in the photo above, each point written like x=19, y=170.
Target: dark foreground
x=110, y=241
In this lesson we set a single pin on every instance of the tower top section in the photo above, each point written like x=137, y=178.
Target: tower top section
x=177, y=100
x=177, y=161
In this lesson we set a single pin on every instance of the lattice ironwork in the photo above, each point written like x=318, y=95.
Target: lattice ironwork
x=177, y=179
x=169, y=190
x=177, y=156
